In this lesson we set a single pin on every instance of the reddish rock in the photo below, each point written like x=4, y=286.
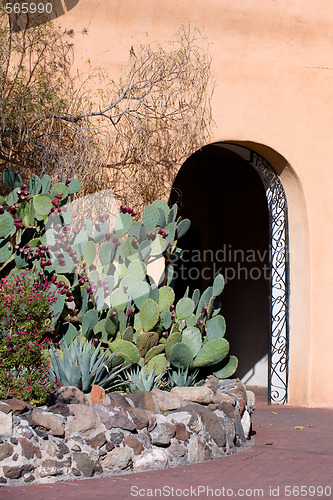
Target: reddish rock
x=143, y=400
x=29, y=450
x=12, y=472
x=181, y=431
x=98, y=441
x=16, y=405
x=134, y=443
x=6, y=450
x=118, y=400
x=97, y=394
x=59, y=409
x=70, y=395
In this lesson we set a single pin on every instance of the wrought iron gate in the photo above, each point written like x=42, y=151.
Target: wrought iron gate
x=279, y=275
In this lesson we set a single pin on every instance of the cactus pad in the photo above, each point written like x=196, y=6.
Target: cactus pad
x=184, y=308
x=212, y=352
x=149, y=314
x=181, y=356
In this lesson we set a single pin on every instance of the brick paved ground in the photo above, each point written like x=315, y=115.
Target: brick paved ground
x=281, y=457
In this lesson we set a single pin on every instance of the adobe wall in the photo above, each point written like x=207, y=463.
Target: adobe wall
x=273, y=66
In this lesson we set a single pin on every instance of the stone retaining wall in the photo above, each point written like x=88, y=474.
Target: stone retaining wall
x=82, y=435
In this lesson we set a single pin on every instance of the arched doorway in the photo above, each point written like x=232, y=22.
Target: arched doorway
x=238, y=210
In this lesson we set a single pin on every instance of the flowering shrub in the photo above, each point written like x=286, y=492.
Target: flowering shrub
x=25, y=330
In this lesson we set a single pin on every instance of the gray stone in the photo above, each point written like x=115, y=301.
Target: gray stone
x=24, y=431
x=29, y=450
x=177, y=450
x=6, y=450
x=180, y=416
x=51, y=464
x=3, y=480
x=211, y=422
x=118, y=459
x=6, y=424
x=140, y=417
x=13, y=440
x=239, y=432
x=166, y=400
x=83, y=421
x=62, y=448
x=70, y=395
x=145, y=440
x=84, y=464
x=251, y=401
x=160, y=436
x=116, y=438
x=212, y=382
x=202, y=394
x=154, y=459
x=12, y=472
x=50, y=471
x=29, y=479
x=235, y=388
x=114, y=417
x=246, y=424
x=54, y=424
x=228, y=425
x=197, y=451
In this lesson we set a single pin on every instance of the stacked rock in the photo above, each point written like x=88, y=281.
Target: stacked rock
x=99, y=434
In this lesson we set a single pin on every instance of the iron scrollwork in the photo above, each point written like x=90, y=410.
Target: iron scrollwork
x=279, y=273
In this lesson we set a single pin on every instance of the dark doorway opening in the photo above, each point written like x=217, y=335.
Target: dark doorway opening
x=223, y=196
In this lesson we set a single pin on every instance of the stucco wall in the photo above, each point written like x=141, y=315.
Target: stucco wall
x=273, y=66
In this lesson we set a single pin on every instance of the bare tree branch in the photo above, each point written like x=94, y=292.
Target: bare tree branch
x=128, y=135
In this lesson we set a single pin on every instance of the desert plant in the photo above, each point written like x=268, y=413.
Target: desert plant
x=182, y=378
x=82, y=364
x=25, y=331
x=140, y=379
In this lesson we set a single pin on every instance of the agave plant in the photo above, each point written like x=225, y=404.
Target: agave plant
x=140, y=379
x=82, y=364
x=182, y=378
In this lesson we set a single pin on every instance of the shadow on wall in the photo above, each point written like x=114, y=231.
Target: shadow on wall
x=30, y=14
x=224, y=198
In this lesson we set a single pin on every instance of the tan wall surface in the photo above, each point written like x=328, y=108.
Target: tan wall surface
x=273, y=66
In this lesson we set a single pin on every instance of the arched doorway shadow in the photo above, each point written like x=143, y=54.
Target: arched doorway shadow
x=227, y=191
